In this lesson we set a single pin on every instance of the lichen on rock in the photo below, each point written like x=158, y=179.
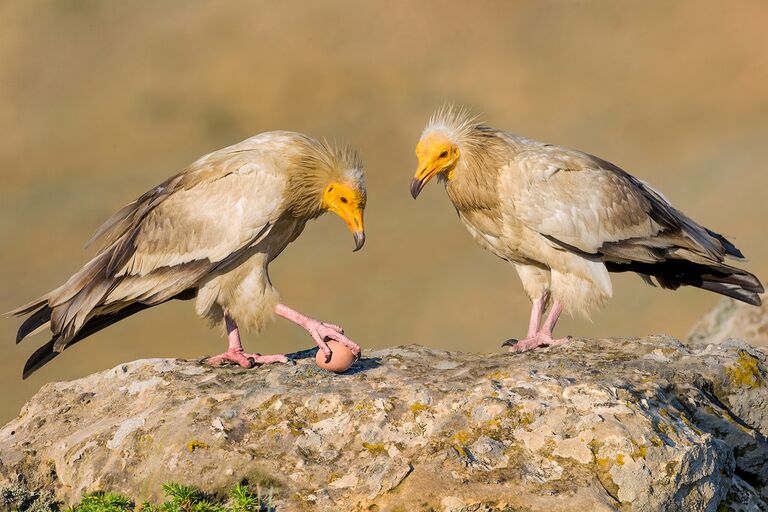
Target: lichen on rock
x=617, y=424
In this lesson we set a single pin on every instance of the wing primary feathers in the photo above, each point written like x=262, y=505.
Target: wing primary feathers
x=714, y=245
x=723, y=279
x=28, y=308
x=732, y=290
x=647, y=280
x=39, y=358
x=730, y=249
x=120, y=253
x=38, y=318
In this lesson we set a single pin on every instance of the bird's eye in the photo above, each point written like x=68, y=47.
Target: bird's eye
x=443, y=154
x=344, y=200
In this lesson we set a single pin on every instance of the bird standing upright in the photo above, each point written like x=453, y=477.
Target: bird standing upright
x=565, y=219
x=209, y=232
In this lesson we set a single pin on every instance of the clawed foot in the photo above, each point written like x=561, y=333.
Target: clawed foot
x=323, y=332
x=539, y=340
x=245, y=359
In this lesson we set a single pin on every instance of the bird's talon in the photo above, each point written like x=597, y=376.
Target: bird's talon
x=339, y=329
x=245, y=360
x=536, y=341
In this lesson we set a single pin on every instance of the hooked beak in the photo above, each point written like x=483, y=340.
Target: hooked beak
x=353, y=217
x=348, y=203
x=423, y=175
x=416, y=186
x=359, y=240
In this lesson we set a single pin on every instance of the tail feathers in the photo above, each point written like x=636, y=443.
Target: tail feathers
x=734, y=291
x=69, y=318
x=67, y=306
x=718, y=278
x=28, y=308
x=730, y=249
x=39, y=318
x=54, y=347
x=39, y=358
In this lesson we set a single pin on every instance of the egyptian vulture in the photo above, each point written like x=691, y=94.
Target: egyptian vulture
x=209, y=233
x=565, y=219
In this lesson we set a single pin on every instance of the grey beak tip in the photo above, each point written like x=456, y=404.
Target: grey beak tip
x=359, y=241
x=416, y=186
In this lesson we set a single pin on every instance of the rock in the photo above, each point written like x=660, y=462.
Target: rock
x=732, y=319
x=643, y=424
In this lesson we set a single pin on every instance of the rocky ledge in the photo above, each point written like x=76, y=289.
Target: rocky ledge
x=617, y=424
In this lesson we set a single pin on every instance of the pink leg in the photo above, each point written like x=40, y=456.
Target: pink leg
x=554, y=315
x=235, y=351
x=320, y=331
x=537, y=311
x=543, y=337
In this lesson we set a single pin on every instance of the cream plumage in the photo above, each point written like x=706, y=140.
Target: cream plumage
x=208, y=233
x=566, y=219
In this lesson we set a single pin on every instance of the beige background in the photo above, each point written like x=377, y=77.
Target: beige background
x=99, y=101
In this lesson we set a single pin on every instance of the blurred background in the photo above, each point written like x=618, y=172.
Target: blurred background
x=100, y=101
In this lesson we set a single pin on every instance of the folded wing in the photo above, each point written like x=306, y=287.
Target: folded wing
x=590, y=207
x=160, y=246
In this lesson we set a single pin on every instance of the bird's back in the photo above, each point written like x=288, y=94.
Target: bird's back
x=555, y=203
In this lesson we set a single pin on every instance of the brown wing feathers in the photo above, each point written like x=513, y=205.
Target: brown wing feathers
x=631, y=228
x=658, y=255
x=39, y=318
x=719, y=278
x=73, y=309
x=47, y=352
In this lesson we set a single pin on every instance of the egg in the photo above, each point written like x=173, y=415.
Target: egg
x=341, y=358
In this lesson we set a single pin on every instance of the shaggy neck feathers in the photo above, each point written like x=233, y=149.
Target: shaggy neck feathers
x=473, y=183
x=314, y=167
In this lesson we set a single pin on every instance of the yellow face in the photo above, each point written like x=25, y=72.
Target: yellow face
x=437, y=155
x=347, y=203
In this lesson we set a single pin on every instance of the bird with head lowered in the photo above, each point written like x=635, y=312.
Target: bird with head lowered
x=209, y=233
x=565, y=219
